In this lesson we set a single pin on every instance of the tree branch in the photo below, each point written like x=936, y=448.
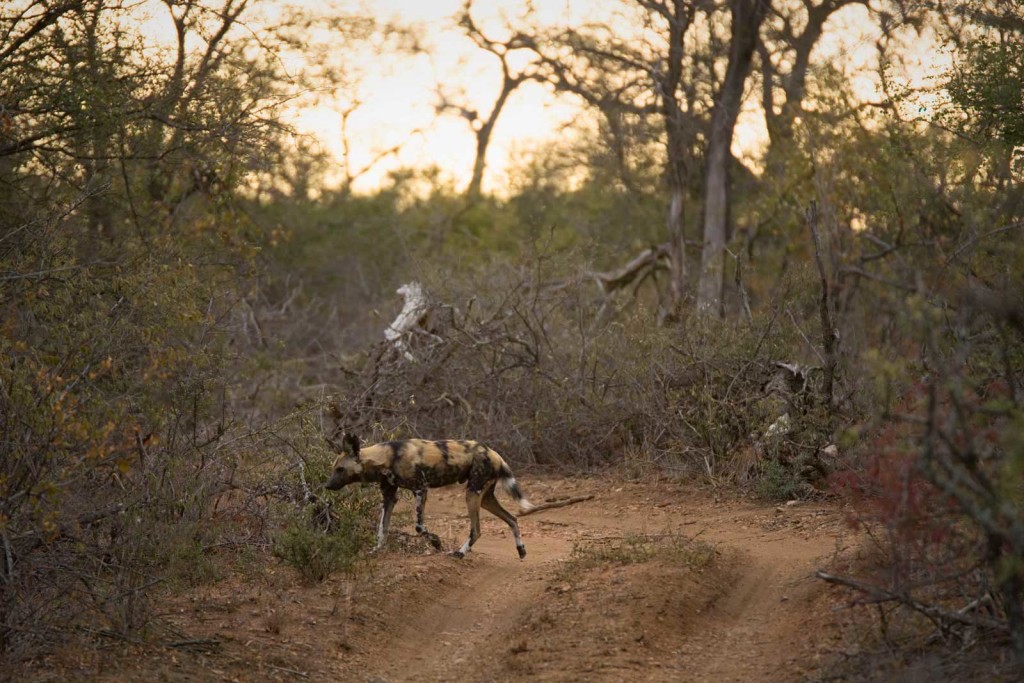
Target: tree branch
x=877, y=594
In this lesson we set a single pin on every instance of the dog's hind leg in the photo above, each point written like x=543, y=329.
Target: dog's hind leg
x=421, y=529
x=390, y=497
x=473, y=503
x=421, y=503
x=491, y=504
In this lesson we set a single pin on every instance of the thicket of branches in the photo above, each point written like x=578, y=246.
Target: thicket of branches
x=123, y=256
x=556, y=378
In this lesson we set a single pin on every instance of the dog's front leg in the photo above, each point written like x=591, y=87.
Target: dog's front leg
x=390, y=496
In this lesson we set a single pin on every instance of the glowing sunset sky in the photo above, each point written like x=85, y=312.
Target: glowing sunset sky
x=398, y=91
x=399, y=95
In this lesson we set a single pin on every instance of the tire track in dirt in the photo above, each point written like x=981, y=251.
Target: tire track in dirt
x=461, y=631
x=759, y=630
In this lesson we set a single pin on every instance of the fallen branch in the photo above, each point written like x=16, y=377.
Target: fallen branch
x=938, y=614
x=555, y=504
x=618, y=279
x=294, y=672
x=412, y=315
x=197, y=643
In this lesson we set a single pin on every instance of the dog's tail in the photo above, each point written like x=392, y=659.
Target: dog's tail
x=508, y=480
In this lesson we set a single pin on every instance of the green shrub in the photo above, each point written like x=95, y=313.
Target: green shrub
x=191, y=563
x=317, y=552
x=776, y=481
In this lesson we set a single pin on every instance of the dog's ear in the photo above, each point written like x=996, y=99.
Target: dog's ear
x=350, y=444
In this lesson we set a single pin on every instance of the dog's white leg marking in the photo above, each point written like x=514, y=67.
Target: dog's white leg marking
x=381, y=527
x=520, y=546
x=390, y=497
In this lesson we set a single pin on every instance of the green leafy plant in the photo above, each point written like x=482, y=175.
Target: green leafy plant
x=316, y=552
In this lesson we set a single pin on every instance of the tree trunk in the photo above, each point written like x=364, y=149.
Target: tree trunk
x=829, y=333
x=483, y=135
x=747, y=16
x=677, y=248
x=678, y=172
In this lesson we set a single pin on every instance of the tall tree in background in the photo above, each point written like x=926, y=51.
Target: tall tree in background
x=986, y=90
x=784, y=48
x=678, y=18
x=747, y=16
x=672, y=72
x=88, y=103
x=629, y=81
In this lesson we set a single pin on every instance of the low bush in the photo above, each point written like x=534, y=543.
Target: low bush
x=317, y=552
x=940, y=490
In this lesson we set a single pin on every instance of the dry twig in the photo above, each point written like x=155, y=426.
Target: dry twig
x=555, y=504
x=941, y=616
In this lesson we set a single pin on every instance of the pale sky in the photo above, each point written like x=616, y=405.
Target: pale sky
x=398, y=91
x=399, y=95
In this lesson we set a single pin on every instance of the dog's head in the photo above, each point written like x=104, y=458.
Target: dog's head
x=347, y=468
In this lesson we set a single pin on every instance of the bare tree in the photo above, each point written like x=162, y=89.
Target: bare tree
x=483, y=125
x=350, y=171
x=678, y=16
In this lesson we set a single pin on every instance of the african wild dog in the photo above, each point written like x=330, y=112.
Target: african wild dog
x=418, y=465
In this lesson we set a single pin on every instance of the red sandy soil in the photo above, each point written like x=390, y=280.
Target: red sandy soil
x=744, y=606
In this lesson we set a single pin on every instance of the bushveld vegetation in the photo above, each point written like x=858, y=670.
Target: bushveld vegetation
x=185, y=301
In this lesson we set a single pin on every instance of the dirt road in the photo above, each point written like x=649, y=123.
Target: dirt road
x=743, y=607
x=646, y=582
